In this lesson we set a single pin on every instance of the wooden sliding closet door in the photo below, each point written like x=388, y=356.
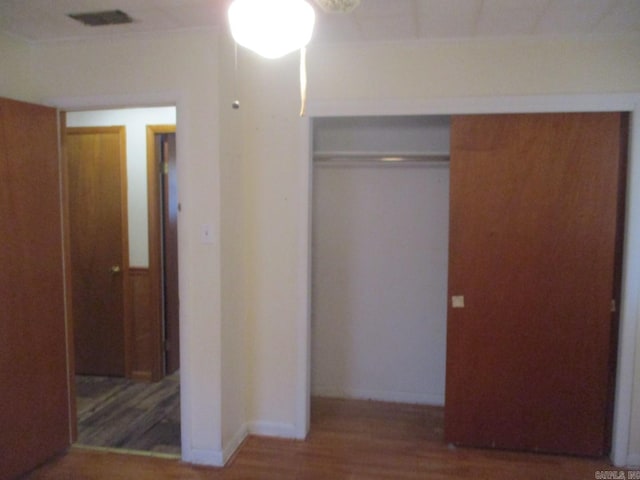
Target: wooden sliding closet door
x=34, y=418
x=533, y=236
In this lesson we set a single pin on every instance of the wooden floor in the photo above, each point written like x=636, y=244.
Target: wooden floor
x=348, y=440
x=120, y=413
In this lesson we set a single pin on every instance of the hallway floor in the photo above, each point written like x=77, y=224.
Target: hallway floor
x=119, y=413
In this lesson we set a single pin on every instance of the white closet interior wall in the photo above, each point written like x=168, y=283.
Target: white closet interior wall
x=379, y=261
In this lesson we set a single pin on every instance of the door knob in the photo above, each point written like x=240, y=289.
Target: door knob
x=115, y=269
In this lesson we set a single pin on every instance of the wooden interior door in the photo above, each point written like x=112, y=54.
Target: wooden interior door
x=34, y=418
x=99, y=250
x=170, y=253
x=534, y=212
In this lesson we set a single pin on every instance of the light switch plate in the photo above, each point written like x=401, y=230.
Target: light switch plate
x=457, y=301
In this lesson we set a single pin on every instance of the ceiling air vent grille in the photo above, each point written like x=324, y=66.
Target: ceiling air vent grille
x=106, y=17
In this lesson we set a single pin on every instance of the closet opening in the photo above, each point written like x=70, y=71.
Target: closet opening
x=380, y=226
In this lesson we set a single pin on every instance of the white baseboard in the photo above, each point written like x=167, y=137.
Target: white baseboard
x=384, y=396
x=230, y=448
x=218, y=458
x=272, y=429
x=212, y=458
x=633, y=460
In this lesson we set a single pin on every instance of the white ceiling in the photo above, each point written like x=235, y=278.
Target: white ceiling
x=374, y=20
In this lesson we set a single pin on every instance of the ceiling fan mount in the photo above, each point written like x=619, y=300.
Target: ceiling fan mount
x=338, y=6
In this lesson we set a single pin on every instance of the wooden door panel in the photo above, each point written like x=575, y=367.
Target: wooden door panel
x=532, y=243
x=161, y=179
x=170, y=248
x=96, y=176
x=34, y=418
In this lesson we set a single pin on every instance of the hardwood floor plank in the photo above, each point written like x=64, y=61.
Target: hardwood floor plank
x=86, y=464
x=162, y=433
x=349, y=439
x=120, y=413
x=92, y=391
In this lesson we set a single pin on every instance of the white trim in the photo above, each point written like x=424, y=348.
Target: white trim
x=198, y=456
x=232, y=446
x=629, y=302
x=72, y=420
x=100, y=102
x=264, y=429
x=382, y=396
x=471, y=105
x=272, y=429
x=303, y=301
x=634, y=461
x=545, y=103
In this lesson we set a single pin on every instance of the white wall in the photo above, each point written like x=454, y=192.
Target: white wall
x=135, y=120
x=390, y=134
x=148, y=70
x=416, y=75
x=379, y=305
x=235, y=422
x=271, y=130
x=474, y=67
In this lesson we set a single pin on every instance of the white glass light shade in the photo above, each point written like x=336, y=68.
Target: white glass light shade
x=271, y=28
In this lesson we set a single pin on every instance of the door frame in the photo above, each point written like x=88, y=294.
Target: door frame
x=66, y=267
x=97, y=102
x=156, y=268
x=628, y=323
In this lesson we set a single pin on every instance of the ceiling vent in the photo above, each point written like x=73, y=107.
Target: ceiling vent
x=106, y=17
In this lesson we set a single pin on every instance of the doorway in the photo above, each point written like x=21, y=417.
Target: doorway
x=144, y=396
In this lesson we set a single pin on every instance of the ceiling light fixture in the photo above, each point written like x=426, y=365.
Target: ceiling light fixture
x=271, y=28
x=338, y=6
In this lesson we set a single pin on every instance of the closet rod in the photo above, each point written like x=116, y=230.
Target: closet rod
x=384, y=159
